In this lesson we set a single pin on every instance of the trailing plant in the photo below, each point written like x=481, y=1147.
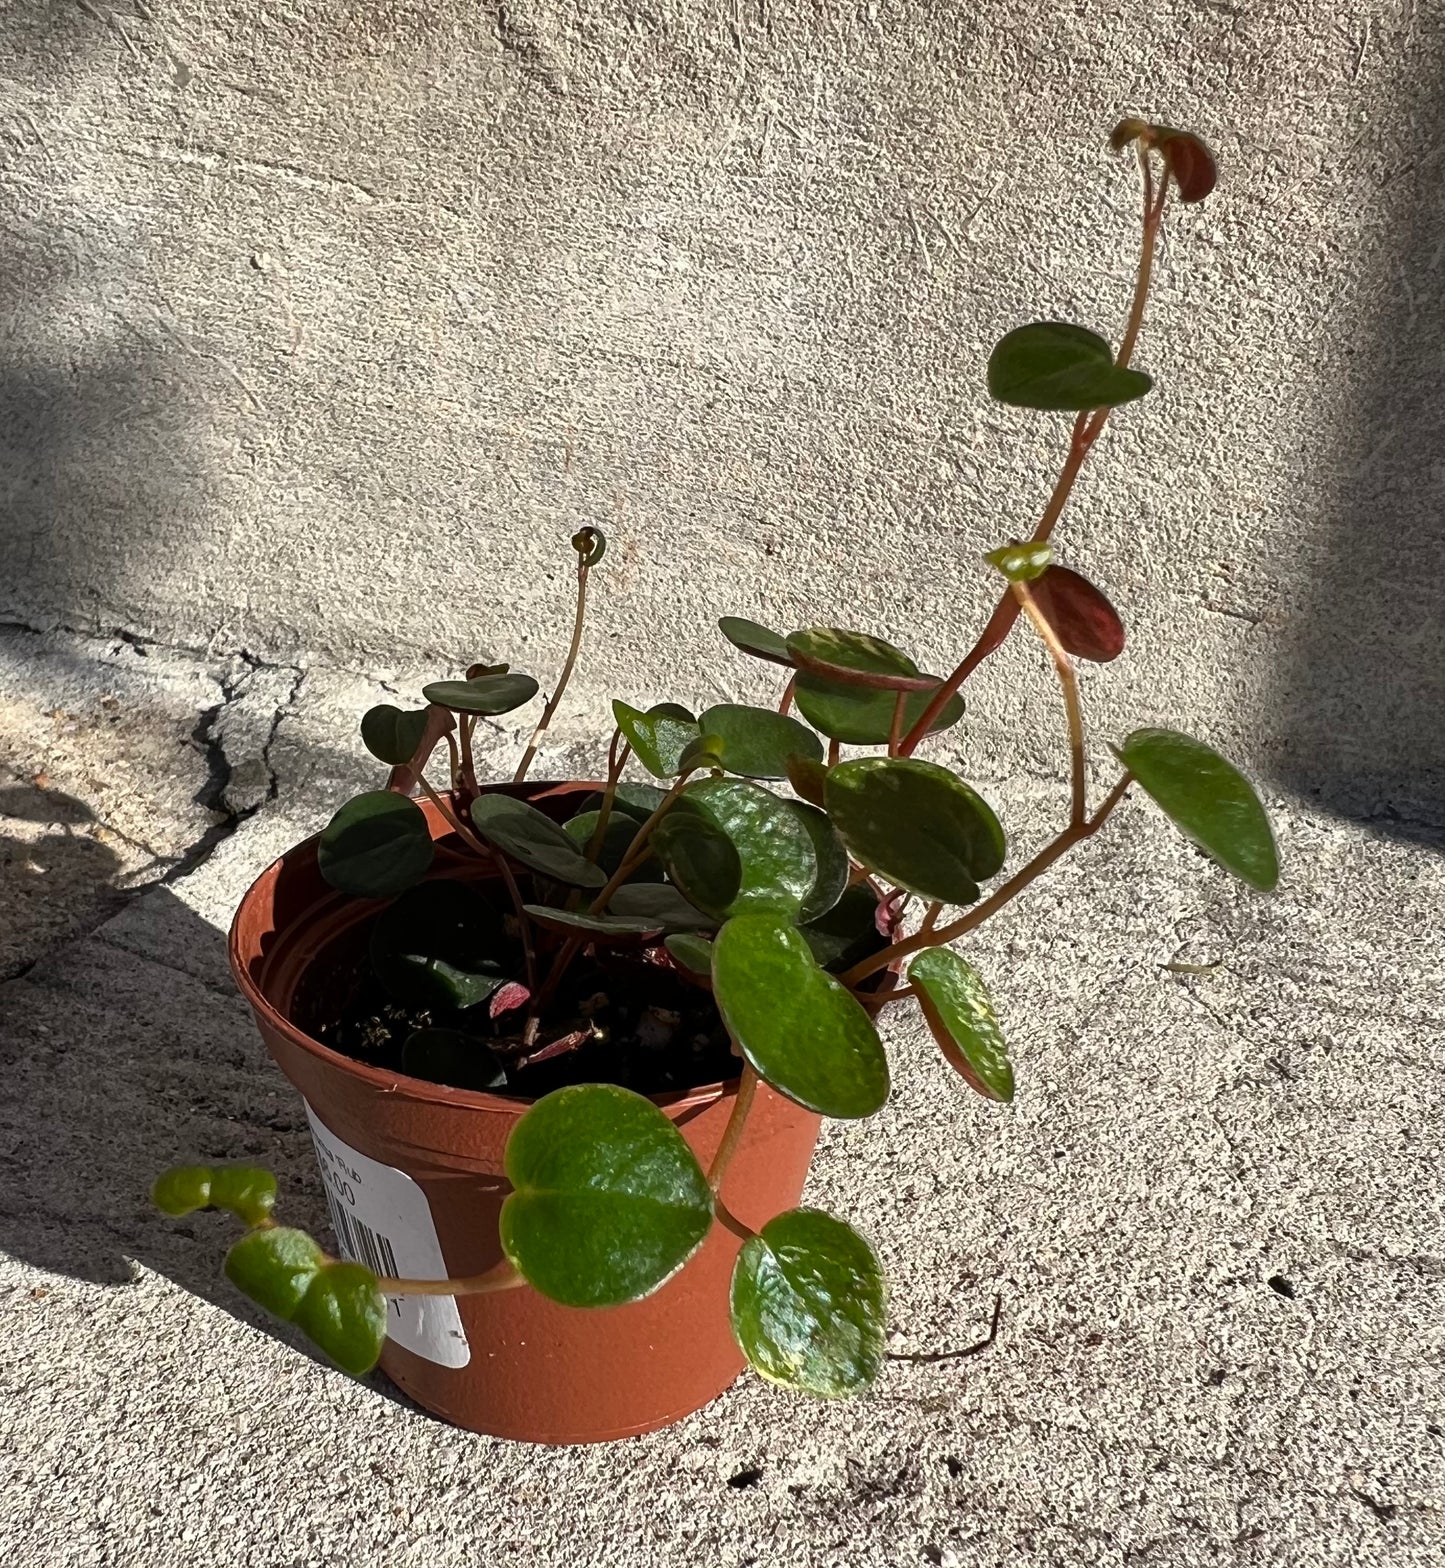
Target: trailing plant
x=748, y=911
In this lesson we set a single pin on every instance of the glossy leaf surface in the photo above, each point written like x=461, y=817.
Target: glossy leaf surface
x=274, y=1267
x=344, y=1315
x=1053, y=365
x=532, y=838
x=1208, y=799
x=858, y=716
x=578, y=921
x=830, y=856
x=1022, y=563
x=960, y=1014
x=377, y=845
x=801, y=1030
x=659, y=736
x=731, y=846
x=856, y=658
x=917, y=825
x=448, y=1056
x=692, y=951
x=392, y=734
x=244, y=1190
x=757, y=743
x=808, y=1304
x=754, y=639
x=608, y=1199
x=1082, y=618
x=486, y=694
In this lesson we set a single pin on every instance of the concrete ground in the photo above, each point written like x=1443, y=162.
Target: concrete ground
x=1213, y=1213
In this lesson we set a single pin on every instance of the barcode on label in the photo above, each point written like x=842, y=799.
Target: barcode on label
x=360, y=1243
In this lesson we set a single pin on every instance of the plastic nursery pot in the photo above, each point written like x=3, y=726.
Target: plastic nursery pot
x=413, y=1173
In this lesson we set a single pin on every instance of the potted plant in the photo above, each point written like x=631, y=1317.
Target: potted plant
x=565, y=1047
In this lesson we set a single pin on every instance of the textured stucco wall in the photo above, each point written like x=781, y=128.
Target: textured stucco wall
x=323, y=325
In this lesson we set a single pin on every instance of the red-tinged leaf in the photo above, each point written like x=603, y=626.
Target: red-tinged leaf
x=1087, y=624
x=508, y=998
x=559, y=1047
x=889, y=913
x=1189, y=160
x=1128, y=130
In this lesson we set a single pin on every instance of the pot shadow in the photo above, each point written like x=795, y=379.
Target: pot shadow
x=56, y=876
x=118, y=1063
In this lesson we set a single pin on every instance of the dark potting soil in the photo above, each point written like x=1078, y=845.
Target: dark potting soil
x=621, y=1016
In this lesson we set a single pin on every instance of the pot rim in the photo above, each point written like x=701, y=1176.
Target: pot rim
x=417, y=1089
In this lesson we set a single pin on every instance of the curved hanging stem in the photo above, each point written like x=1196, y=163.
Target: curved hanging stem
x=584, y=566
x=785, y=703
x=1069, y=681
x=976, y=916
x=733, y=1132
x=1087, y=428
x=502, y=1277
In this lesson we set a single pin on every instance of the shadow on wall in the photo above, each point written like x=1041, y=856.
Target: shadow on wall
x=117, y=1066
x=1362, y=714
x=100, y=478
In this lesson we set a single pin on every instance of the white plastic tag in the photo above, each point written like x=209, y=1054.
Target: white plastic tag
x=382, y=1219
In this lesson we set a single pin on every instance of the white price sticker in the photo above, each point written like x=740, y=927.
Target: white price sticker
x=382, y=1219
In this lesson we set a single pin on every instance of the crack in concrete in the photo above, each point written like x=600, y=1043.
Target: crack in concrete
x=206, y=738
x=235, y=673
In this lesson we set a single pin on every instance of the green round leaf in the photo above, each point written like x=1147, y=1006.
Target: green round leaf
x=1208, y=799
x=731, y=846
x=377, y=845
x=436, y=947
x=803, y=1031
x=808, y=1303
x=344, y=1315
x=808, y=778
x=531, y=837
x=486, y=694
x=693, y=952
x=637, y=801
x=848, y=933
x=659, y=736
x=245, y=1191
x=608, y=1201
x=960, y=1013
x=182, y=1189
x=830, y=856
x=617, y=841
x=661, y=903
x=392, y=734
x=856, y=659
x=860, y=716
x=1021, y=563
x=917, y=825
x=754, y=639
x=757, y=742
x=1052, y=365
x=447, y=1056
x=274, y=1267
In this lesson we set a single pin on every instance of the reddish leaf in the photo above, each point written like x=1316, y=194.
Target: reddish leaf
x=559, y=1047
x=509, y=997
x=1190, y=162
x=1086, y=623
x=1185, y=155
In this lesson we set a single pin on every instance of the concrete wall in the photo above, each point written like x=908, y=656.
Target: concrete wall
x=324, y=325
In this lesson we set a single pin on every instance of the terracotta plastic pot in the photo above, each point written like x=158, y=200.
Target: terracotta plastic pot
x=414, y=1177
